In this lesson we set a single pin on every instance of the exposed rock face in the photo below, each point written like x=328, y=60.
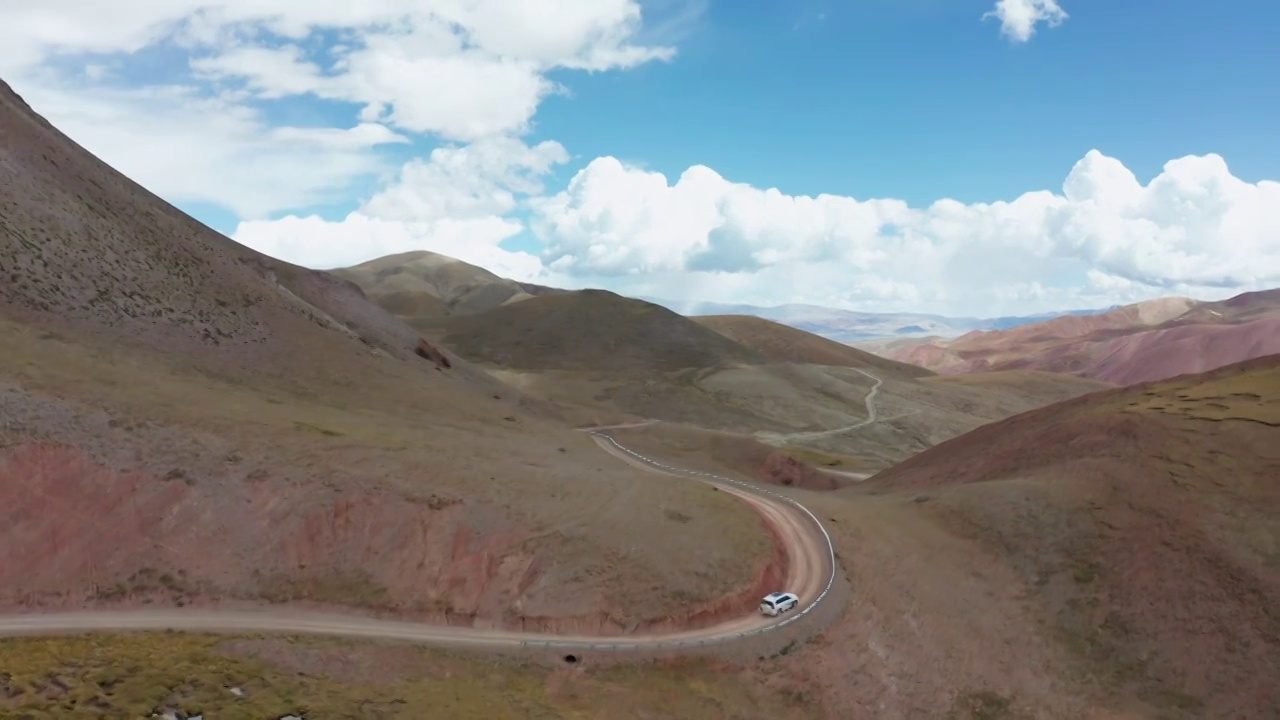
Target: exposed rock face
x=783, y=469
x=430, y=352
x=136, y=539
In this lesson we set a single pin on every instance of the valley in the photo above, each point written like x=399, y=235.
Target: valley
x=413, y=484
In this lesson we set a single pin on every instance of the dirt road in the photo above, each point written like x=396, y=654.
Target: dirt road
x=811, y=567
x=869, y=401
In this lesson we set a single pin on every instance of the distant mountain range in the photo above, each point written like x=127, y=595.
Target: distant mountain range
x=848, y=326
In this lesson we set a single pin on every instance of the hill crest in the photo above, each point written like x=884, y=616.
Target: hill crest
x=1142, y=522
x=1151, y=340
x=423, y=286
x=591, y=330
x=783, y=343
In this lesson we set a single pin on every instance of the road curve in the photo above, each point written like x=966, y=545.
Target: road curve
x=811, y=573
x=869, y=401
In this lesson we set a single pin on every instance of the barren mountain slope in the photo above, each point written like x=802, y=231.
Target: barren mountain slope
x=1181, y=349
x=420, y=287
x=165, y=392
x=592, y=330
x=601, y=357
x=1152, y=340
x=783, y=343
x=1143, y=524
x=1241, y=308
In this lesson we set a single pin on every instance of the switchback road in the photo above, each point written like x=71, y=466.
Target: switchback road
x=810, y=574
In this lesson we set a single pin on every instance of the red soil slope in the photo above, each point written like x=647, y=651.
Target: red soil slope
x=183, y=419
x=1137, y=343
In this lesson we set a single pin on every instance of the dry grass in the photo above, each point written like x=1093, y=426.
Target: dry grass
x=1253, y=397
x=617, y=551
x=1142, y=526
x=591, y=331
x=424, y=287
x=131, y=676
x=784, y=344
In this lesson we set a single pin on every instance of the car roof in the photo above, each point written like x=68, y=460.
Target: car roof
x=778, y=595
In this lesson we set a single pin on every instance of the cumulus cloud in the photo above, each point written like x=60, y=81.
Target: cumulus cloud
x=390, y=71
x=462, y=73
x=456, y=202
x=191, y=146
x=477, y=180
x=1019, y=18
x=462, y=69
x=1193, y=228
x=323, y=244
x=1103, y=238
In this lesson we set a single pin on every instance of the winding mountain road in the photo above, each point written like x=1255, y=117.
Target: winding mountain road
x=869, y=401
x=810, y=574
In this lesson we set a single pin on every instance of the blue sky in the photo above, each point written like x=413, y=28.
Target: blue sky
x=917, y=100
x=238, y=113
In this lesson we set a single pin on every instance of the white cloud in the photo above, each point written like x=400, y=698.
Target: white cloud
x=1194, y=229
x=476, y=180
x=1019, y=18
x=190, y=146
x=463, y=69
x=456, y=202
x=448, y=69
x=323, y=244
x=1105, y=238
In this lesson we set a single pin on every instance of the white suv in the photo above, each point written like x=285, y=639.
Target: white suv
x=778, y=603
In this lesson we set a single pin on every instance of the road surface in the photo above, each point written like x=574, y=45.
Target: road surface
x=869, y=401
x=810, y=575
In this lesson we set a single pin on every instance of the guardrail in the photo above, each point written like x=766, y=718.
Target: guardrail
x=643, y=645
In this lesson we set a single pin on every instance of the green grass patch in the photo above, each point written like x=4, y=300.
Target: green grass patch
x=135, y=675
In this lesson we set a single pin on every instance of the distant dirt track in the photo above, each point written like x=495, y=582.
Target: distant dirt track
x=810, y=574
x=869, y=401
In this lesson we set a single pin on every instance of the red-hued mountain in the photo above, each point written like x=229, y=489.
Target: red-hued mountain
x=1151, y=340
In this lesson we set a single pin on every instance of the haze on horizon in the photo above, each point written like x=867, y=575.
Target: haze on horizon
x=973, y=158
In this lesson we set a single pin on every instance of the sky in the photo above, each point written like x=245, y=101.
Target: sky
x=960, y=157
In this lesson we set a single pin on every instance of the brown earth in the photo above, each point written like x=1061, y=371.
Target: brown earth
x=784, y=344
x=915, y=415
x=1147, y=341
x=167, y=391
x=183, y=421
x=422, y=287
x=133, y=675
x=591, y=330
x=1138, y=531
x=600, y=358
x=1116, y=555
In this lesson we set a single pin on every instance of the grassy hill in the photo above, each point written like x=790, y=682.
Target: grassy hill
x=592, y=330
x=1144, y=525
x=421, y=287
x=164, y=390
x=783, y=343
x=601, y=357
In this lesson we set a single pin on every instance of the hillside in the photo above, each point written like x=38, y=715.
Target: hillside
x=164, y=390
x=1147, y=341
x=600, y=357
x=856, y=328
x=421, y=286
x=591, y=330
x=1143, y=522
x=782, y=343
